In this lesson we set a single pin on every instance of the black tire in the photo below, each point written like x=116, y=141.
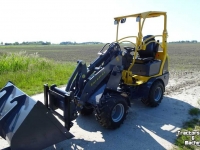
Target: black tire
x=85, y=111
x=155, y=95
x=112, y=113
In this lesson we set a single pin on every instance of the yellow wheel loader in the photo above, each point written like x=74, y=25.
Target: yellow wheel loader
x=132, y=67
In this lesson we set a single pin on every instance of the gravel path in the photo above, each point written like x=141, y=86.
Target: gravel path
x=144, y=127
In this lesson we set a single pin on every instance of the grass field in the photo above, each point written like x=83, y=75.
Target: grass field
x=29, y=71
x=55, y=63
x=191, y=125
x=182, y=56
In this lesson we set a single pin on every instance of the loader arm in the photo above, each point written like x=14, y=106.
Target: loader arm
x=83, y=84
x=84, y=78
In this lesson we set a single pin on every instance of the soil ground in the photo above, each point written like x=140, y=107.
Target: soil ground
x=144, y=127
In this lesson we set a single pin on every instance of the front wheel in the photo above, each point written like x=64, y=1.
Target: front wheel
x=112, y=113
x=155, y=95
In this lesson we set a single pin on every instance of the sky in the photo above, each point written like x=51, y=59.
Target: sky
x=56, y=21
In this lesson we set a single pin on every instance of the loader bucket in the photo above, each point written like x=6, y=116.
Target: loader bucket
x=27, y=124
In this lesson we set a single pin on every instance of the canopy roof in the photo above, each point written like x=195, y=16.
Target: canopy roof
x=143, y=15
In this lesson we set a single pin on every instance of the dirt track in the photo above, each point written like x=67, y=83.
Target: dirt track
x=144, y=128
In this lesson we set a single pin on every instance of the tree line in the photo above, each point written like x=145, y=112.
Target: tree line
x=74, y=43
x=29, y=43
x=193, y=41
x=49, y=43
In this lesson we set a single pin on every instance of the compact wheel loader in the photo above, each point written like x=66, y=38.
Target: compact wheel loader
x=125, y=70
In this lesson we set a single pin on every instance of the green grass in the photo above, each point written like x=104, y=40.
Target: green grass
x=192, y=125
x=55, y=63
x=194, y=111
x=29, y=71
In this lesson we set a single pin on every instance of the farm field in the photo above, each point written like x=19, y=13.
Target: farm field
x=156, y=127
x=184, y=59
x=182, y=56
x=59, y=52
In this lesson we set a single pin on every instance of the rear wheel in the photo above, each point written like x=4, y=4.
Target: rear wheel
x=155, y=95
x=112, y=113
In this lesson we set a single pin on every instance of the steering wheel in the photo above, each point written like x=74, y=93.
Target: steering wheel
x=129, y=49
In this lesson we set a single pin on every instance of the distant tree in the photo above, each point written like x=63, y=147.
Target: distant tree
x=1, y=43
x=8, y=43
x=66, y=43
x=24, y=43
x=46, y=43
x=36, y=43
x=16, y=43
x=187, y=41
x=194, y=41
x=40, y=42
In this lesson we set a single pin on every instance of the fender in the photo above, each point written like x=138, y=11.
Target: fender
x=143, y=90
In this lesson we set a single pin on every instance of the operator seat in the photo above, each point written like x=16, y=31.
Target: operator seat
x=149, y=54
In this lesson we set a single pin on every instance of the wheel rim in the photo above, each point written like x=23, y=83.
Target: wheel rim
x=117, y=112
x=158, y=94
